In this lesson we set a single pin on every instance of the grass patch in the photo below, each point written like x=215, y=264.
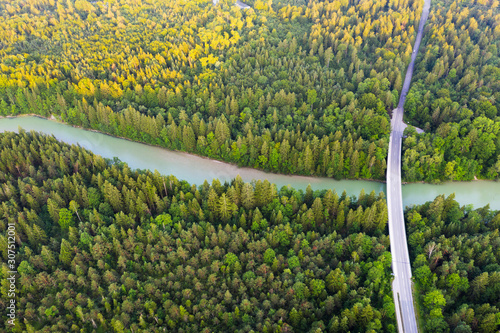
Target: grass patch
x=417, y=304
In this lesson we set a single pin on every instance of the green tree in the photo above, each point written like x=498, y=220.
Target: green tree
x=293, y=262
x=66, y=253
x=226, y=207
x=163, y=220
x=312, y=95
x=65, y=218
x=269, y=256
x=317, y=287
x=73, y=205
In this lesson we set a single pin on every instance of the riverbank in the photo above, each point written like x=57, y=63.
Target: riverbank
x=196, y=169
x=58, y=120
x=190, y=167
x=55, y=118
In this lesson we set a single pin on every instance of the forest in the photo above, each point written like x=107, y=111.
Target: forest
x=455, y=95
x=455, y=255
x=287, y=87
x=105, y=248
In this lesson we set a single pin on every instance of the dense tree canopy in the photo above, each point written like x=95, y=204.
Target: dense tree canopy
x=288, y=87
x=104, y=247
x=455, y=254
x=456, y=95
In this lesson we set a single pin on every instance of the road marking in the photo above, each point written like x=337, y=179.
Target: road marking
x=397, y=235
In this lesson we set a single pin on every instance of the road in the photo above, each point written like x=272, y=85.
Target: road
x=402, y=284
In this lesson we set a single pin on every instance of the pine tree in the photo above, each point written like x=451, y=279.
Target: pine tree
x=65, y=218
x=113, y=196
x=66, y=253
x=317, y=208
x=226, y=207
x=309, y=196
x=53, y=209
x=189, y=140
x=340, y=220
x=213, y=200
x=212, y=106
x=74, y=207
x=247, y=196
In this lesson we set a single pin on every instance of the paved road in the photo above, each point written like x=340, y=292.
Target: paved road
x=401, y=286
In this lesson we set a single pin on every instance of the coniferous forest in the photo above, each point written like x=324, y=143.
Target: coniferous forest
x=105, y=248
x=301, y=87
x=455, y=95
x=291, y=88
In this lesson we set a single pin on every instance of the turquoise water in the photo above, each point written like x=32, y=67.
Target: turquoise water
x=196, y=169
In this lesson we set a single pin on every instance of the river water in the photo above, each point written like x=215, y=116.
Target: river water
x=196, y=169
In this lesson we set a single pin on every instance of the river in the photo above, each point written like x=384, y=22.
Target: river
x=196, y=169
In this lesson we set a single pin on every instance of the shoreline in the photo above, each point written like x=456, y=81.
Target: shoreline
x=55, y=119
